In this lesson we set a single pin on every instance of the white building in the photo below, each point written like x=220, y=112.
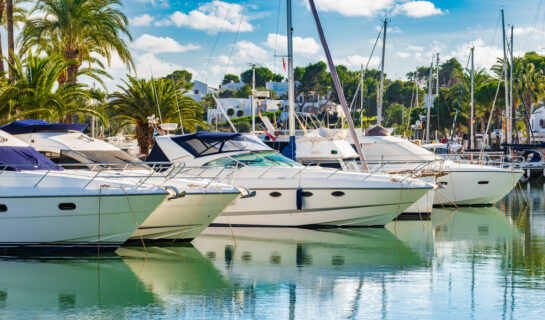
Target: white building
x=237, y=107
x=235, y=86
x=199, y=90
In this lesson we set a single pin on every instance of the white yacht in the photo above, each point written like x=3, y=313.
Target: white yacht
x=461, y=183
x=287, y=193
x=182, y=218
x=327, y=148
x=43, y=207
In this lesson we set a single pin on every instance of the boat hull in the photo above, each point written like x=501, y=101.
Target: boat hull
x=462, y=187
x=356, y=207
x=184, y=218
x=96, y=221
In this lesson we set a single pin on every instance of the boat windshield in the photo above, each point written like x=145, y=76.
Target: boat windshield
x=87, y=158
x=254, y=159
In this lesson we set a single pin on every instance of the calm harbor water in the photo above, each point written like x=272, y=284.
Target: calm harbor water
x=467, y=263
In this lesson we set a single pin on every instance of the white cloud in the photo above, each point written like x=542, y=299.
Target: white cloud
x=247, y=51
x=403, y=54
x=148, y=65
x=370, y=8
x=211, y=17
x=306, y=46
x=417, y=9
x=484, y=55
x=390, y=30
x=351, y=8
x=356, y=61
x=162, y=3
x=144, y=20
x=153, y=44
x=415, y=48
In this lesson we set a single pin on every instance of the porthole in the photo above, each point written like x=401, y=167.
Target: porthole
x=3, y=208
x=483, y=182
x=67, y=206
x=307, y=194
x=275, y=194
x=337, y=193
x=442, y=183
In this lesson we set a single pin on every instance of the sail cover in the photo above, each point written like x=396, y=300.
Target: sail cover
x=30, y=126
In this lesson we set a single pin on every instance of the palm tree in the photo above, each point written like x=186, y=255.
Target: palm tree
x=139, y=99
x=18, y=15
x=11, y=43
x=79, y=30
x=35, y=92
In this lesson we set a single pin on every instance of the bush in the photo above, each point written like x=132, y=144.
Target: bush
x=240, y=113
x=244, y=127
x=230, y=112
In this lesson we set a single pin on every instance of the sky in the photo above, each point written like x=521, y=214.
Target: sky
x=210, y=38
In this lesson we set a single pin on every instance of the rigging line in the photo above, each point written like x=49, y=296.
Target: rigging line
x=276, y=35
x=366, y=66
x=485, y=136
x=217, y=39
x=536, y=17
x=236, y=35
x=177, y=105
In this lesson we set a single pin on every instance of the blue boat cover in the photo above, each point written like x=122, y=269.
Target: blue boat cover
x=204, y=143
x=289, y=151
x=25, y=158
x=30, y=125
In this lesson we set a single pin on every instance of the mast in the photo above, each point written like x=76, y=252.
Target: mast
x=416, y=87
x=507, y=113
x=428, y=112
x=437, y=91
x=291, y=84
x=511, y=82
x=471, y=137
x=253, y=97
x=338, y=86
x=379, y=106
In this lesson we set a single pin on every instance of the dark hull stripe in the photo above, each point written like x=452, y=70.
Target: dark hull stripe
x=86, y=195
x=310, y=210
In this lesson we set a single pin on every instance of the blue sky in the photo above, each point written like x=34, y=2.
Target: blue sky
x=174, y=34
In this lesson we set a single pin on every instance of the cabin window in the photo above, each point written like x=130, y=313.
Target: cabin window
x=307, y=194
x=542, y=123
x=67, y=206
x=337, y=193
x=275, y=194
x=3, y=208
x=483, y=182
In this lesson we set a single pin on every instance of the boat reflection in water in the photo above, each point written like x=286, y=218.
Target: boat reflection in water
x=69, y=288
x=472, y=224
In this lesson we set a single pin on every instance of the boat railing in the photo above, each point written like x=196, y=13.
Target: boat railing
x=147, y=170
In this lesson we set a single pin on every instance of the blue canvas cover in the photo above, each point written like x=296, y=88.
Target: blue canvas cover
x=205, y=143
x=25, y=158
x=30, y=126
x=290, y=150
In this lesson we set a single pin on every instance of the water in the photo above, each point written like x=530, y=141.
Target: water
x=470, y=263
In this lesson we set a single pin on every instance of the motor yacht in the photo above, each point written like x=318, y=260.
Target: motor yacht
x=287, y=193
x=462, y=183
x=325, y=148
x=43, y=207
x=182, y=218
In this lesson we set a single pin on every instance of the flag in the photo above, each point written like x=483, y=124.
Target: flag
x=284, y=63
x=272, y=137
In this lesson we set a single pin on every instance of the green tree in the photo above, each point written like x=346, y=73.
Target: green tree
x=38, y=94
x=229, y=77
x=244, y=92
x=262, y=75
x=182, y=78
x=79, y=30
x=136, y=100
